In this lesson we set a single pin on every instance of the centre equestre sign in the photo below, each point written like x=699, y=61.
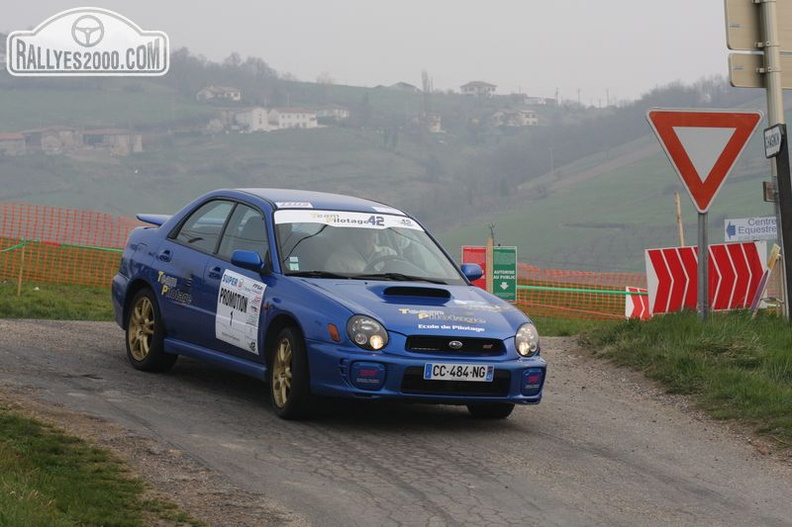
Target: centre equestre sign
x=735, y=272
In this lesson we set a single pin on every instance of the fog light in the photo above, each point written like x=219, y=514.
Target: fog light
x=532, y=381
x=367, y=375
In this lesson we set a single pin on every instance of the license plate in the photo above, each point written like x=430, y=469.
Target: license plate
x=440, y=371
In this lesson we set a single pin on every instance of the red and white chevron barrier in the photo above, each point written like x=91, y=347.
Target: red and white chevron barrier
x=636, y=305
x=735, y=271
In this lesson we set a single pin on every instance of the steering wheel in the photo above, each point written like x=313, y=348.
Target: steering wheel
x=385, y=258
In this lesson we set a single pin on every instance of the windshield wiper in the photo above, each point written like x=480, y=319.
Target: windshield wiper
x=397, y=277
x=317, y=274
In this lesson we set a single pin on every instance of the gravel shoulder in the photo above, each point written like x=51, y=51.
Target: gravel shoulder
x=172, y=474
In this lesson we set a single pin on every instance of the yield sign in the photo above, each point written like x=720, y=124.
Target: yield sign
x=703, y=146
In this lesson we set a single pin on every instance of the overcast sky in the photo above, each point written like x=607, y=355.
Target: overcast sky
x=589, y=50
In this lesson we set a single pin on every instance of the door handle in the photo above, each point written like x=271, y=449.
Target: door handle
x=164, y=256
x=216, y=273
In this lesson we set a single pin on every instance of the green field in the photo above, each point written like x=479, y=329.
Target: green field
x=27, y=109
x=605, y=222
x=598, y=213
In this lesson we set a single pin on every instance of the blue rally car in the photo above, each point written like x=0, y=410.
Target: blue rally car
x=321, y=295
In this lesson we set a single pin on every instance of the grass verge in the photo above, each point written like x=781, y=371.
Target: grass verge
x=734, y=367
x=57, y=302
x=50, y=478
x=565, y=327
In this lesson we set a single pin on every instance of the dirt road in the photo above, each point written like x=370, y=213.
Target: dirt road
x=605, y=447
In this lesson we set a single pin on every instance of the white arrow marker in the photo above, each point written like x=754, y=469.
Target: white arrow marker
x=504, y=286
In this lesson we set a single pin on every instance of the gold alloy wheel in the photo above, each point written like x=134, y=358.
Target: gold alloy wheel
x=282, y=373
x=141, y=329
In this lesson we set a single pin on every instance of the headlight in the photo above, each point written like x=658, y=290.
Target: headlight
x=527, y=340
x=367, y=333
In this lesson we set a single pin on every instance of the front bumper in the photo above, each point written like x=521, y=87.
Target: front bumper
x=341, y=372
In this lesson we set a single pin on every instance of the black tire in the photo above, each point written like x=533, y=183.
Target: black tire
x=145, y=334
x=290, y=387
x=490, y=410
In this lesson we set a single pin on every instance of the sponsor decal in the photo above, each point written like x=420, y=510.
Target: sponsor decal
x=238, y=307
x=293, y=205
x=440, y=315
x=451, y=327
x=171, y=291
x=476, y=305
x=87, y=41
x=345, y=219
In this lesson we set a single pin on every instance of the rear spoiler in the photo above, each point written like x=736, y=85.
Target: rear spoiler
x=153, y=219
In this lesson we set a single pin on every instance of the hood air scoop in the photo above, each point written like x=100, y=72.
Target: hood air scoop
x=426, y=292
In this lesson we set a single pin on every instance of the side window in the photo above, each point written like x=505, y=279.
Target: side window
x=202, y=229
x=246, y=231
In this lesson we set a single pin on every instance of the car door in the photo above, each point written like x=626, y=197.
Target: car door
x=181, y=262
x=236, y=294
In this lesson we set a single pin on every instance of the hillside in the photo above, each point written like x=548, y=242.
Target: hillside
x=603, y=217
x=589, y=188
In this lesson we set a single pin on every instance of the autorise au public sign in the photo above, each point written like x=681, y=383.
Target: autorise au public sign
x=703, y=146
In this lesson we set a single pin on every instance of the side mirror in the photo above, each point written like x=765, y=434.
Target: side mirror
x=472, y=271
x=248, y=260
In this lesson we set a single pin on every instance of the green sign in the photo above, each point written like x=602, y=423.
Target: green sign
x=504, y=273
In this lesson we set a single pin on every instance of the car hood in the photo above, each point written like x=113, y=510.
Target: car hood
x=427, y=308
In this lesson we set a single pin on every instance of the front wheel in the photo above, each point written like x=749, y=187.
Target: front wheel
x=145, y=335
x=289, y=380
x=490, y=410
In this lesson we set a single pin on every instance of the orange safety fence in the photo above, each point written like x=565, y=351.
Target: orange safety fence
x=574, y=294
x=41, y=244
x=44, y=244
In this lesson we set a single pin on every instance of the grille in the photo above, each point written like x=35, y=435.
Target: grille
x=414, y=383
x=470, y=346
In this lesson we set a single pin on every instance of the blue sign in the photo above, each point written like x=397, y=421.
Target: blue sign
x=750, y=229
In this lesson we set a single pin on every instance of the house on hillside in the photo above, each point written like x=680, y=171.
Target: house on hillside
x=333, y=112
x=280, y=118
x=53, y=140
x=404, y=86
x=212, y=92
x=117, y=141
x=478, y=89
x=540, y=101
x=253, y=119
x=434, y=123
x=514, y=118
x=12, y=145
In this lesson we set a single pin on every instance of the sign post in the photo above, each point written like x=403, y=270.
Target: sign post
x=702, y=146
x=763, y=29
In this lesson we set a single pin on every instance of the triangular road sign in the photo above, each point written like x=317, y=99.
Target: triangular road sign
x=703, y=145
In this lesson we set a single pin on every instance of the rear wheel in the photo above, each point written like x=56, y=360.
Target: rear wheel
x=490, y=410
x=145, y=335
x=289, y=380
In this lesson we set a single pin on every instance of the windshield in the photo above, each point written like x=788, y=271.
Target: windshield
x=359, y=245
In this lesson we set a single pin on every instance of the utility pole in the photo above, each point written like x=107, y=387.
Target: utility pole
x=780, y=163
x=756, y=26
x=680, y=226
